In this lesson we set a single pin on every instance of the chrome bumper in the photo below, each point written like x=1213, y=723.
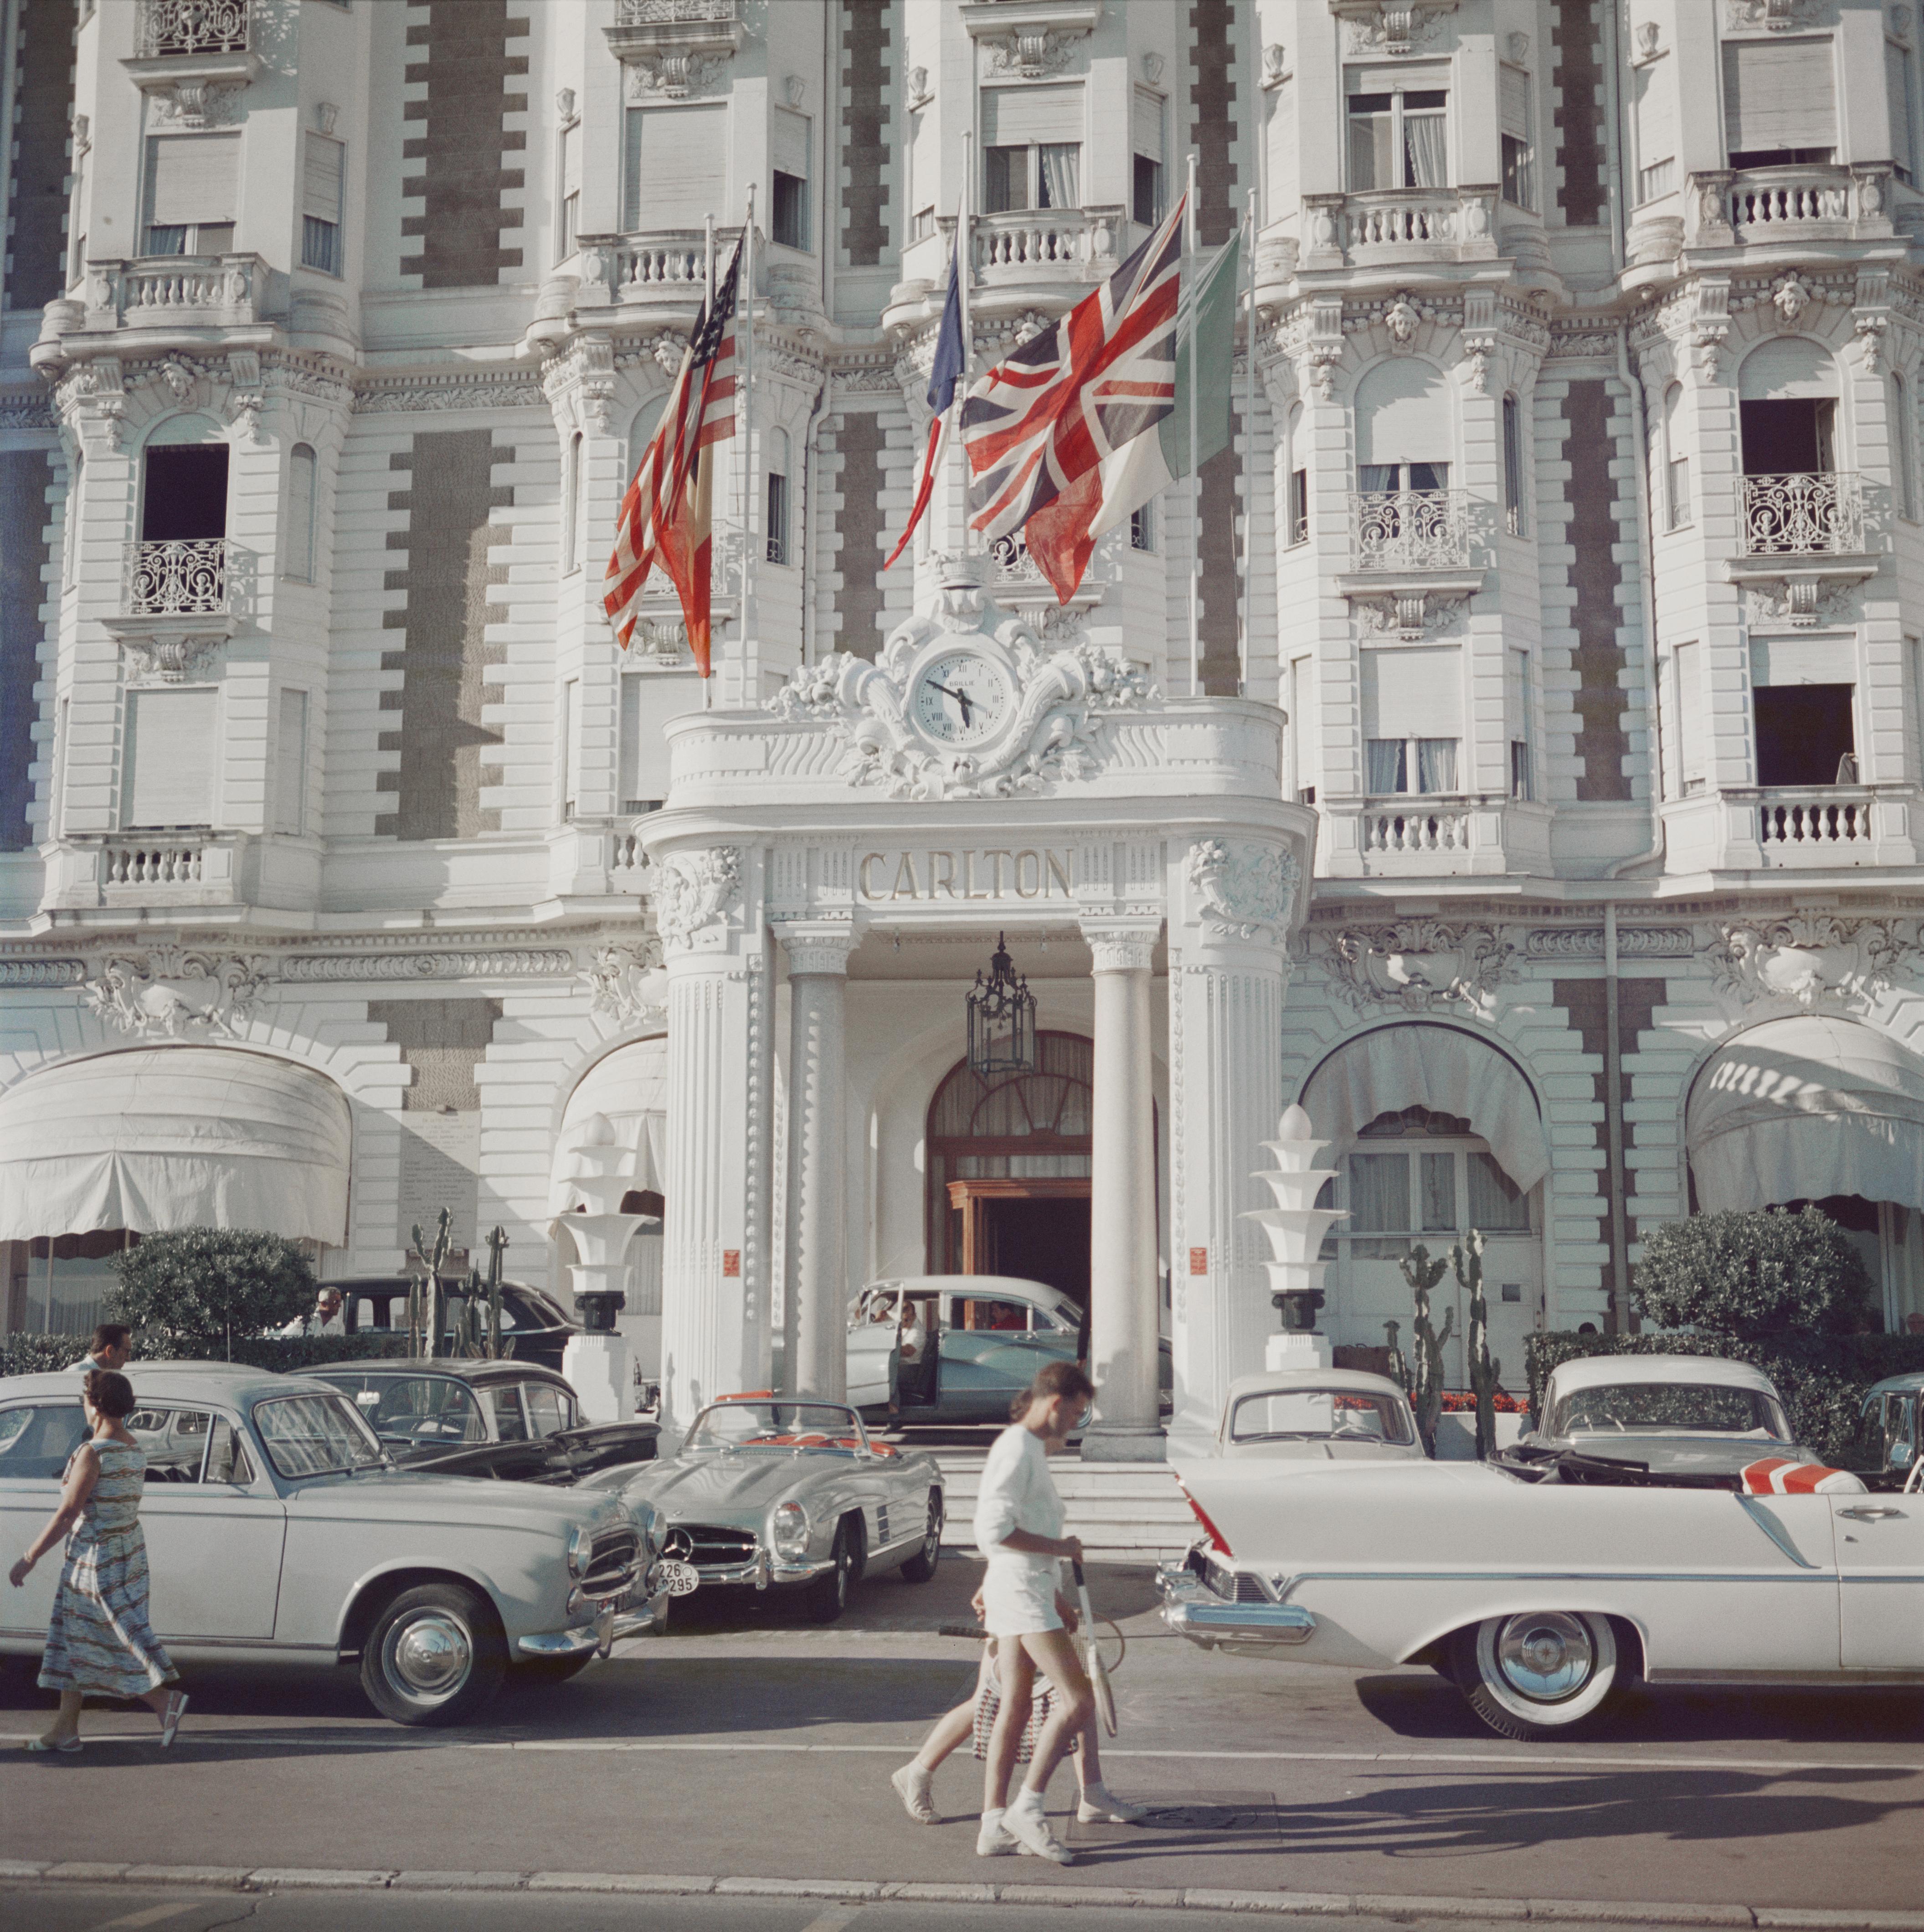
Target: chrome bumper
x=642, y=1612
x=760, y=1570
x=1192, y=1610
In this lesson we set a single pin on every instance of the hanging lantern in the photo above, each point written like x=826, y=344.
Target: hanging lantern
x=1001, y=1018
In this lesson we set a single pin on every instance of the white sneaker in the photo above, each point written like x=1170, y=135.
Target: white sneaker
x=1024, y=1822
x=1098, y=1805
x=993, y=1840
x=912, y=1783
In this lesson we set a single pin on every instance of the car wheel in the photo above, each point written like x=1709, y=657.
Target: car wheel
x=826, y=1598
x=553, y=1669
x=435, y=1656
x=921, y=1566
x=1538, y=1675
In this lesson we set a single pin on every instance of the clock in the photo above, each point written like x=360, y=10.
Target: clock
x=961, y=698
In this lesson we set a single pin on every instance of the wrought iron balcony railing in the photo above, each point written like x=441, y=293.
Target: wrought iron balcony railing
x=1411, y=530
x=182, y=29
x=1809, y=513
x=184, y=578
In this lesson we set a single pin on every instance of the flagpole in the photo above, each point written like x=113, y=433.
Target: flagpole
x=1191, y=232
x=708, y=304
x=964, y=256
x=1248, y=449
x=745, y=291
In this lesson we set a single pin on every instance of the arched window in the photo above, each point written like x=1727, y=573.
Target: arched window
x=776, y=462
x=183, y=483
x=1297, y=459
x=1674, y=467
x=300, y=513
x=1513, y=467
x=1787, y=392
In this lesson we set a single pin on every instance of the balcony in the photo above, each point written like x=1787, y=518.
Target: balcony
x=1410, y=530
x=1025, y=246
x=1825, y=828
x=1787, y=207
x=1393, y=226
x=190, y=50
x=171, y=301
x=658, y=272
x=193, y=869
x=176, y=606
x=1811, y=513
x=1822, y=825
x=1432, y=834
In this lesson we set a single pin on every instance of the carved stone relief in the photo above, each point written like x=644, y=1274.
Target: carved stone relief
x=1419, y=963
x=694, y=893
x=627, y=982
x=1816, y=961
x=168, y=991
x=1242, y=890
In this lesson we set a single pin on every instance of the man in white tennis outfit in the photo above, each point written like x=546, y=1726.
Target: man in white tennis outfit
x=1018, y=1518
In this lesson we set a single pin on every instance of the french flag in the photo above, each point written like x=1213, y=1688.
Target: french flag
x=951, y=362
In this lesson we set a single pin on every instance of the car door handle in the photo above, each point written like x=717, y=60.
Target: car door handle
x=1869, y=1512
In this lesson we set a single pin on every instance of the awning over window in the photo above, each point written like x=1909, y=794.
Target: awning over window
x=631, y=1086
x=175, y=1137
x=1797, y=1109
x=1440, y=1068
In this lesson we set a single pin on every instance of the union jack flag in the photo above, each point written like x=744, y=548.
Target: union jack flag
x=666, y=517
x=1038, y=428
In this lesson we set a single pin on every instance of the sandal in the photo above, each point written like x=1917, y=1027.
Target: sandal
x=170, y=1723
x=41, y=1744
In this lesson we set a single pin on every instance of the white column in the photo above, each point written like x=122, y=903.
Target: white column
x=1123, y=1324
x=815, y=1348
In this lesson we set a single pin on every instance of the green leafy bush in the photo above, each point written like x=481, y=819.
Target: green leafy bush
x=201, y=1291
x=1757, y=1274
x=1823, y=1378
x=33, y=1355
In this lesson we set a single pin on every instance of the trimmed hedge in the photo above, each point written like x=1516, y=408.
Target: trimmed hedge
x=1823, y=1378
x=31, y=1355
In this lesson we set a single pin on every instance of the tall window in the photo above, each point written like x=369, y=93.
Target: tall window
x=1780, y=103
x=1519, y=149
x=1142, y=527
x=290, y=764
x=571, y=693
x=320, y=206
x=1903, y=485
x=778, y=496
x=1514, y=520
x=1398, y=134
x=1413, y=713
x=192, y=188
x=172, y=738
x=1654, y=123
x=1913, y=678
x=568, y=214
x=1692, y=739
x=1804, y=702
x=1675, y=461
x=1027, y=161
x=1297, y=531
x=300, y=513
x=571, y=505
x=1442, y=1180
x=1516, y=703
x=1146, y=183
x=1302, y=775
x=674, y=166
x=1900, y=91
x=789, y=222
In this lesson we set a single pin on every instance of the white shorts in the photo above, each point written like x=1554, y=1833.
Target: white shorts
x=1018, y=1601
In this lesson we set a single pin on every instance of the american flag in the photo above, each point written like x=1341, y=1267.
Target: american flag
x=665, y=516
x=1039, y=427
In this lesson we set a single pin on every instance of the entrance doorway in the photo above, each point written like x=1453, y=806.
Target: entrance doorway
x=1037, y=1229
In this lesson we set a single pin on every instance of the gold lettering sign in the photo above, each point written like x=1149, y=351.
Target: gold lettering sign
x=998, y=873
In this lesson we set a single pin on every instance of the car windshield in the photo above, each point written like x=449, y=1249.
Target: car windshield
x=775, y=1425
x=315, y=1435
x=422, y=1409
x=1709, y=1408
x=1320, y=1415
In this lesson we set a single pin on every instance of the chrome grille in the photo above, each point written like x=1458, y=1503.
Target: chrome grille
x=612, y=1563
x=1236, y=1585
x=703, y=1543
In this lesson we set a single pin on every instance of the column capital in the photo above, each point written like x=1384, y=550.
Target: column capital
x=816, y=945
x=1121, y=946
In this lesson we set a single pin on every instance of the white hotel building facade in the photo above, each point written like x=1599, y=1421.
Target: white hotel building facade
x=1526, y=775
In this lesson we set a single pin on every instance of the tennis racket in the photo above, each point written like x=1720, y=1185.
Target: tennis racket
x=1092, y=1656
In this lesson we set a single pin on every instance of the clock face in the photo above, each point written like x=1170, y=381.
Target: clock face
x=961, y=698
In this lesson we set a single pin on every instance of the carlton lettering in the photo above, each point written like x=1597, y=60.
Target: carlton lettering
x=998, y=873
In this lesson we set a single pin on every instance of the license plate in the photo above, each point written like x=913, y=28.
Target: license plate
x=683, y=1579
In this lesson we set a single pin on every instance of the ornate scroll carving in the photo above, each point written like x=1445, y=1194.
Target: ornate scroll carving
x=1242, y=889
x=695, y=892
x=168, y=991
x=1418, y=964
x=1818, y=962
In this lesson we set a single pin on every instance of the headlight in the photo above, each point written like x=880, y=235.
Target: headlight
x=579, y=1544
x=789, y=1532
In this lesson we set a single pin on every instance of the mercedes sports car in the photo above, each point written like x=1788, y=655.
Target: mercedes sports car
x=794, y=1493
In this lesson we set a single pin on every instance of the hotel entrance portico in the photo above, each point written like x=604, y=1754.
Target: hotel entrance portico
x=835, y=867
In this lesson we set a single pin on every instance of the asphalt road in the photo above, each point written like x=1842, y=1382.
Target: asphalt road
x=748, y=1744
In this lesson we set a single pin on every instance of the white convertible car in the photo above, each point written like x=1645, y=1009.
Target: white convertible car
x=1542, y=1587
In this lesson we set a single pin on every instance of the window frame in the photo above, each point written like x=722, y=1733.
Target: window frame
x=1397, y=86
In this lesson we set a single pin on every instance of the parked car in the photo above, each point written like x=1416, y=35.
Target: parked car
x=1310, y=1417
x=791, y=1492
x=278, y=1530
x=534, y=1326
x=1541, y=1596
x=991, y=1332
x=1893, y=1414
x=513, y=1420
x=1680, y=1413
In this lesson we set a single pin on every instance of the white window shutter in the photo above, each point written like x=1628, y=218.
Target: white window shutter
x=571, y=161
x=172, y=741
x=300, y=564
x=1897, y=94
x=1413, y=694
x=1656, y=138
x=1147, y=125
x=1013, y=116
x=290, y=764
x=788, y=143
x=1781, y=661
x=192, y=177
x=650, y=703
x=1513, y=93
x=321, y=179
x=1778, y=94
x=675, y=166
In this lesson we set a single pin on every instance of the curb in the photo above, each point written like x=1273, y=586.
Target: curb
x=867, y=1891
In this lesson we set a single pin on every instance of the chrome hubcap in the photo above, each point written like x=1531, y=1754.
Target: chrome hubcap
x=429, y=1656
x=1546, y=1655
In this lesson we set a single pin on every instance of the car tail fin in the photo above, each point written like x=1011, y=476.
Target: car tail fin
x=1218, y=1541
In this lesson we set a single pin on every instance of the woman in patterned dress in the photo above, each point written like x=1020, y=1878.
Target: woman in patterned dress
x=99, y=1639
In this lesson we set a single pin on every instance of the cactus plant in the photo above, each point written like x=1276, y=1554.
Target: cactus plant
x=497, y=1242
x=1466, y=1257
x=423, y=1297
x=1399, y=1367
x=1426, y=1376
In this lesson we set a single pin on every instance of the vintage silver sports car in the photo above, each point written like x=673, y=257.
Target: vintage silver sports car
x=791, y=1491
x=278, y=1531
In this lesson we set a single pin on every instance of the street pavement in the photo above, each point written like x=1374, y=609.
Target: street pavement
x=749, y=1745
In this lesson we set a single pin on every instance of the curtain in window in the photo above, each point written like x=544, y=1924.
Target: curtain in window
x=1435, y=764
x=1369, y=142
x=1384, y=759
x=1062, y=175
x=1497, y=1205
x=1439, y=1193
x=1426, y=161
x=1379, y=1193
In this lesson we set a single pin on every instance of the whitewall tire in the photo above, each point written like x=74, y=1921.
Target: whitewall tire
x=1538, y=1674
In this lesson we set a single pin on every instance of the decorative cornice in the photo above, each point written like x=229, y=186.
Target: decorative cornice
x=42, y=972
x=463, y=389
x=1586, y=942
x=342, y=968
